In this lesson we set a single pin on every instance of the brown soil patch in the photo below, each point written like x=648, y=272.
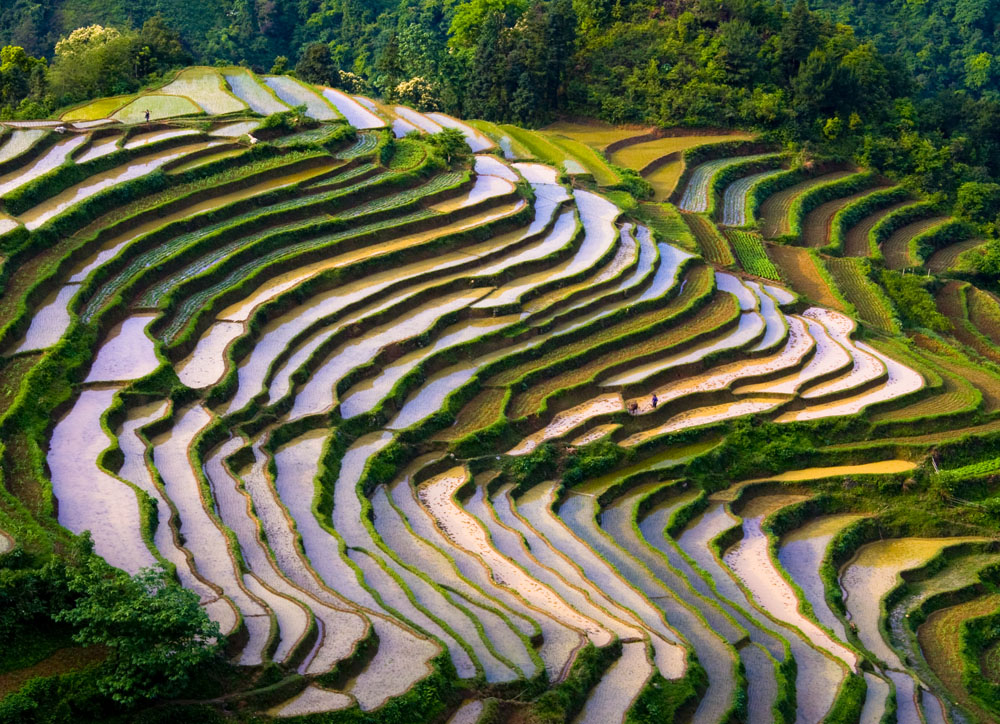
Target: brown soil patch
x=62, y=661
x=798, y=268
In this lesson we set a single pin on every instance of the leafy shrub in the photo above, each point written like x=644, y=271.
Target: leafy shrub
x=591, y=461
x=632, y=182
x=915, y=304
x=285, y=121
x=157, y=631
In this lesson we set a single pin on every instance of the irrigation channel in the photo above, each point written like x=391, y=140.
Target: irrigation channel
x=350, y=377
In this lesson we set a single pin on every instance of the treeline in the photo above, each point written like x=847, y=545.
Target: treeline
x=91, y=62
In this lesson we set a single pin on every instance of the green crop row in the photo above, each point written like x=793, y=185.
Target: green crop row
x=854, y=212
x=190, y=244
x=331, y=277
x=852, y=277
x=753, y=258
x=973, y=470
x=366, y=143
x=731, y=172
x=823, y=192
x=760, y=192
x=360, y=171
x=698, y=155
x=950, y=232
x=192, y=304
x=976, y=637
x=316, y=136
x=161, y=196
x=895, y=220
x=69, y=174
x=831, y=283
x=668, y=225
x=713, y=245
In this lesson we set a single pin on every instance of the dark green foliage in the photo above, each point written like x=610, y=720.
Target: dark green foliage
x=633, y=183
x=285, y=121
x=753, y=448
x=591, y=461
x=94, y=62
x=451, y=146
x=316, y=65
x=156, y=630
x=851, y=214
x=664, y=700
x=978, y=202
x=528, y=470
x=910, y=296
x=851, y=699
x=156, y=634
x=940, y=236
x=977, y=635
x=560, y=704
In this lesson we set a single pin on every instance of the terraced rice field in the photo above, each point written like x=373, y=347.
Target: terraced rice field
x=712, y=244
x=800, y=269
x=896, y=249
x=749, y=249
x=734, y=199
x=406, y=428
x=596, y=134
x=695, y=198
x=863, y=294
x=660, y=160
x=816, y=224
x=773, y=213
x=947, y=258
x=856, y=241
x=205, y=87
x=953, y=302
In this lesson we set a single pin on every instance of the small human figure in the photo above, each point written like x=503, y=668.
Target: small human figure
x=655, y=400
x=147, y=115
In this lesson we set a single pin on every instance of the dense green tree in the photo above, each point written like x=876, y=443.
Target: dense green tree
x=316, y=65
x=21, y=77
x=978, y=202
x=157, y=632
x=798, y=39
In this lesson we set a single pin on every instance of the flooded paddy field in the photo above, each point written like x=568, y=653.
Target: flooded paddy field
x=395, y=424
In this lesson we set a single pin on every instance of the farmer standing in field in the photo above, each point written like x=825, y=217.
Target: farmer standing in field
x=147, y=115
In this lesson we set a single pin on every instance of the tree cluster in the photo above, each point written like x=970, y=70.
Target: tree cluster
x=156, y=634
x=91, y=62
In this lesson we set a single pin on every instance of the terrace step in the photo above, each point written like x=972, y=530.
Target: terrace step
x=856, y=242
x=773, y=213
x=200, y=530
x=816, y=226
x=818, y=677
x=945, y=259
x=559, y=642
x=536, y=507
x=616, y=541
x=734, y=198
x=327, y=314
x=896, y=248
x=695, y=197
x=952, y=302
